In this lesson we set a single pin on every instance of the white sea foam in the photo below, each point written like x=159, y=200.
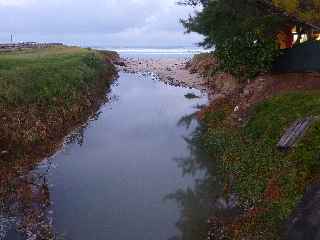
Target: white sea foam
x=157, y=51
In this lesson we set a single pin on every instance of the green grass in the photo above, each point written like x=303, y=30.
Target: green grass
x=45, y=93
x=44, y=76
x=264, y=177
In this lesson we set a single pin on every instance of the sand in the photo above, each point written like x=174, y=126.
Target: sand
x=169, y=70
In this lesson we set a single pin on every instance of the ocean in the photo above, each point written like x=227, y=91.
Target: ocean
x=151, y=52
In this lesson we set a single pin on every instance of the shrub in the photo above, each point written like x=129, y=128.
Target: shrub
x=246, y=57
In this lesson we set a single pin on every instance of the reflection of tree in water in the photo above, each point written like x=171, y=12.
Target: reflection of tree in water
x=26, y=199
x=206, y=198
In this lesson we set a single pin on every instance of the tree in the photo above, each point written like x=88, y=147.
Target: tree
x=193, y=2
x=307, y=11
x=242, y=32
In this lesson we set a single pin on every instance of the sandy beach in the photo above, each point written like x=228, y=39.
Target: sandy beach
x=169, y=70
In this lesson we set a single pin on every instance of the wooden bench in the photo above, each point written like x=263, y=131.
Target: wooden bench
x=295, y=132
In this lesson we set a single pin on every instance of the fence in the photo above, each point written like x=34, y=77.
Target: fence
x=15, y=46
x=301, y=58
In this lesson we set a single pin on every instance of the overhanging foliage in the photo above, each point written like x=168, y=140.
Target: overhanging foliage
x=242, y=33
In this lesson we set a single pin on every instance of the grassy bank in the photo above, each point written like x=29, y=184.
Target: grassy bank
x=46, y=92
x=47, y=75
x=268, y=182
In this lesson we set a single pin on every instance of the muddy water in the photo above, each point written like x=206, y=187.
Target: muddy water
x=111, y=179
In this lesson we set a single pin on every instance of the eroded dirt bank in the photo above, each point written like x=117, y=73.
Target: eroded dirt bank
x=241, y=129
x=32, y=132
x=34, y=128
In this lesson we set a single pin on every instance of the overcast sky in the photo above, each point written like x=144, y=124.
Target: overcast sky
x=116, y=23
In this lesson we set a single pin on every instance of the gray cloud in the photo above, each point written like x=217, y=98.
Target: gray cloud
x=124, y=22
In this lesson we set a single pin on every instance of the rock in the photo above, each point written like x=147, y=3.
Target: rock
x=121, y=64
x=191, y=96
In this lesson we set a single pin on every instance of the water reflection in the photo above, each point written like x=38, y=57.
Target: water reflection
x=77, y=137
x=25, y=207
x=25, y=201
x=206, y=206
x=110, y=180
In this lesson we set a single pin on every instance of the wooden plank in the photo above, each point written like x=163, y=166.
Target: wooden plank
x=294, y=133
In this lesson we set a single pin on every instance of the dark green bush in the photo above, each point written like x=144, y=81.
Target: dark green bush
x=246, y=57
x=241, y=32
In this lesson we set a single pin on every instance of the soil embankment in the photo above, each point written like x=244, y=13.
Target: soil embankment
x=244, y=94
x=240, y=131
x=46, y=93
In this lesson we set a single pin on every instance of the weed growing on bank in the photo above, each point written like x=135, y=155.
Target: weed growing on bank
x=47, y=76
x=269, y=182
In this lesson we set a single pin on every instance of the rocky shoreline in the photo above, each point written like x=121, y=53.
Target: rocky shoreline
x=200, y=73
x=168, y=70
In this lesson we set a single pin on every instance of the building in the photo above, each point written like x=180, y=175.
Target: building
x=290, y=36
